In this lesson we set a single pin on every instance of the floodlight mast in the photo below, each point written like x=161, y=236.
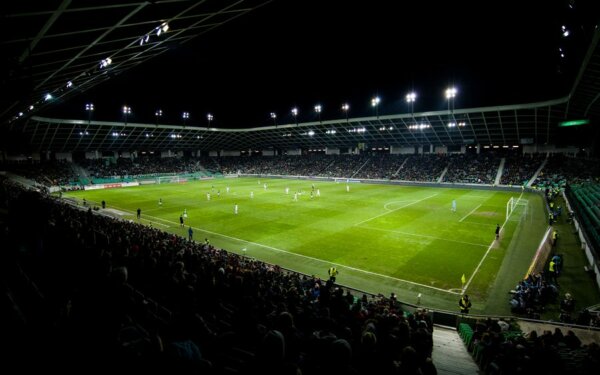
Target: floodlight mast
x=410, y=99
x=375, y=104
x=318, y=109
x=158, y=114
x=346, y=108
x=126, y=112
x=295, y=114
x=450, y=95
x=89, y=107
x=209, y=117
x=185, y=116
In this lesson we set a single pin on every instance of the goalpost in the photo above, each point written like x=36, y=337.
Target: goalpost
x=517, y=209
x=170, y=179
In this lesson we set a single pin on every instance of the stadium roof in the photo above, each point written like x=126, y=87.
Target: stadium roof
x=62, y=49
x=499, y=126
x=52, y=50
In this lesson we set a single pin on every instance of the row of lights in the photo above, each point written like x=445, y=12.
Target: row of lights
x=89, y=107
x=103, y=64
x=163, y=28
x=411, y=97
x=147, y=135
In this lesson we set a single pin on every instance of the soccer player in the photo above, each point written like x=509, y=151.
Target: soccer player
x=218, y=193
x=181, y=221
x=287, y=190
x=265, y=186
x=347, y=188
x=251, y=195
x=207, y=196
x=185, y=213
x=497, y=231
x=139, y=213
x=311, y=195
x=453, y=205
x=159, y=202
x=235, y=209
x=296, y=197
x=227, y=189
x=318, y=192
x=190, y=234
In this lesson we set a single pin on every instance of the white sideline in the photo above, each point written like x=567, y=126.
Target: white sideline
x=308, y=257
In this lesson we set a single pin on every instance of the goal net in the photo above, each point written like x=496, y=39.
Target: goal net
x=170, y=179
x=517, y=209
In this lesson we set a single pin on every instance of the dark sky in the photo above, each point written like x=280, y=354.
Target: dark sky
x=303, y=52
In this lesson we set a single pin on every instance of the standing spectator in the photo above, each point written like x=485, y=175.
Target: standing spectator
x=333, y=272
x=552, y=274
x=464, y=304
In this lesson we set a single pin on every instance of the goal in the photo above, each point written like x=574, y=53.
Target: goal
x=517, y=209
x=170, y=179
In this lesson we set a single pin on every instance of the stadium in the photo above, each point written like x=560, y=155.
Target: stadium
x=397, y=238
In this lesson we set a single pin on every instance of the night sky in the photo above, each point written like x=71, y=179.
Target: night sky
x=307, y=52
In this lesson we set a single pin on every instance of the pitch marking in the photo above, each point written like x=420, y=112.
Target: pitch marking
x=311, y=258
x=423, y=235
x=396, y=209
x=469, y=214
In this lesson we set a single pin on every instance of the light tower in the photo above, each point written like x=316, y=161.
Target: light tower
x=318, y=109
x=185, y=116
x=375, y=104
x=158, y=114
x=209, y=117
x=126, y=112
x=89, y=109
x=295, y=114
x=346, y=108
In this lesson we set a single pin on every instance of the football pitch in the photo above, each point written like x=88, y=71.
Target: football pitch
x=382, y=238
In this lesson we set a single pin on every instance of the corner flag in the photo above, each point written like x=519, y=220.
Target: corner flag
x=463, y=279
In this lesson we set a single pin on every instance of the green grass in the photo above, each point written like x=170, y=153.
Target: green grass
x=382, y=238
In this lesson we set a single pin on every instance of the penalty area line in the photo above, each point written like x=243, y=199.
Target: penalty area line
x=485, y=255
x=396, y=209
x=423, y=235
x=469, y=214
